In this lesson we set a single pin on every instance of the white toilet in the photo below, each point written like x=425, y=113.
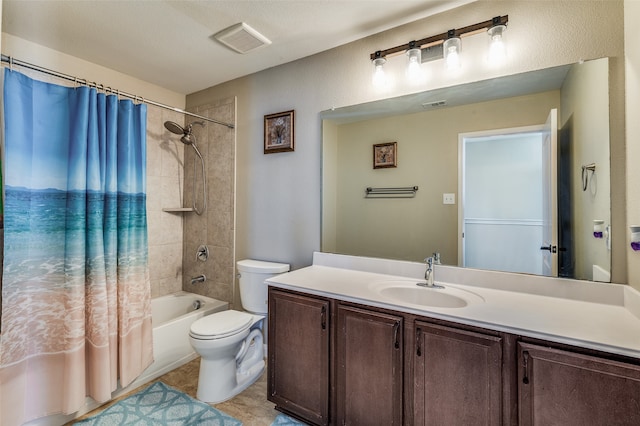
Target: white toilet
x=230, y=343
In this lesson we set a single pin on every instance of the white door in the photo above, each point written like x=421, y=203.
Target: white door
x=507, y=209
x=549, y=246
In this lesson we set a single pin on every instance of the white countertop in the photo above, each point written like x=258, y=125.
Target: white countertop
x=592, y=315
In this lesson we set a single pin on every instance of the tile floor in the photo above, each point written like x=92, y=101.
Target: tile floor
x=251, y=406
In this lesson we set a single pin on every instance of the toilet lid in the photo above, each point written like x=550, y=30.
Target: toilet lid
x=220, y=324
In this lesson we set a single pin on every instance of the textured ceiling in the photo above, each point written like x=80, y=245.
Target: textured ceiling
x=168, y=43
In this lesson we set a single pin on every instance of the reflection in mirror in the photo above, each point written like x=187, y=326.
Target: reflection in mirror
x=428, y=128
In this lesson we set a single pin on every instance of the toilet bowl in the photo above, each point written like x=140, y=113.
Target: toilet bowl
x=232, y=358
x=231, y=343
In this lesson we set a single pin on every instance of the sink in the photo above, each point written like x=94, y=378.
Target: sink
x=424, y=296
x=407, y=292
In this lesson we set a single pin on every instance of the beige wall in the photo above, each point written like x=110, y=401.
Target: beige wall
x=632, y=48
x=582, y=105
x=329, y=185
x=278, y=195
x=413, y=228
x=27, y=51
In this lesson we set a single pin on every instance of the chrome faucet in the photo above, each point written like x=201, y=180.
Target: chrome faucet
x=428, y=275
x=199, y=279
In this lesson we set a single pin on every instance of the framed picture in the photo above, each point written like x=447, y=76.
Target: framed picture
x=278, y=132
x=385, y=155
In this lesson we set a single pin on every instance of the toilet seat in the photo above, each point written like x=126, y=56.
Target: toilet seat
x=220, y=325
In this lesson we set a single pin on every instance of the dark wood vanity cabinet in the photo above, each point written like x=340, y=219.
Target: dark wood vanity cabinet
x=338, y=363
x=298, y=355
x=369, y=367
x=457, y=376
x=561, y=387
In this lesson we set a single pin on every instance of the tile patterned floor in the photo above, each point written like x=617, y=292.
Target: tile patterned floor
x=251, y=406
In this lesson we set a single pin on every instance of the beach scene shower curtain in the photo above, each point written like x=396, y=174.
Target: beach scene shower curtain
x=76, y=315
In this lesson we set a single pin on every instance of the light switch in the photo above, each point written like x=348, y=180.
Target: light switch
x=448, y=198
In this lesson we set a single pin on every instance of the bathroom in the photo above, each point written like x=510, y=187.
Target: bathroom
x=269, y=206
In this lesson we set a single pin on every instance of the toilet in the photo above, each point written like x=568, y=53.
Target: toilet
x=231, y=343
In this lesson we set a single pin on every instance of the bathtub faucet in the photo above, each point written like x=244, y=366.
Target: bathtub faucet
x=199, y=279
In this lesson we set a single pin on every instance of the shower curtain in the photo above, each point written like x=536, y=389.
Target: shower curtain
x=76, y=314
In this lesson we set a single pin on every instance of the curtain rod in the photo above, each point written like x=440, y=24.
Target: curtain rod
x=12, y=61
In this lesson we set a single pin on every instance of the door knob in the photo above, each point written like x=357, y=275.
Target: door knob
x=551, y=248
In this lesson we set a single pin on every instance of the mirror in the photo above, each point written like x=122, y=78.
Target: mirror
x=427, y=129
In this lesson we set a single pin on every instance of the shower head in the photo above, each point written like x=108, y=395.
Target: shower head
x=175, y=128
x=187, y=137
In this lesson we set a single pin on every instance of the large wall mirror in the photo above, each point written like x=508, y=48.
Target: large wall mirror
x=476, y=153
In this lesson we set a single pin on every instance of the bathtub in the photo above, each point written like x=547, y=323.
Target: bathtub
x=172, y=316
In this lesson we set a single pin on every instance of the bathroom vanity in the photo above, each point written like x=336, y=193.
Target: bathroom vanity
x=353, y=341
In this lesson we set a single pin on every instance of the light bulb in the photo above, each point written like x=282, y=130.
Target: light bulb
x=451, y=49
x=379, y=76
x=414, y=67
x=497, y=47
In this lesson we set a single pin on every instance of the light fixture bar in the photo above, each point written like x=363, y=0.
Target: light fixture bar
x=440, y=38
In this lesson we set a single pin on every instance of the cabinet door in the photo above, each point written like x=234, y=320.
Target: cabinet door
x=457, y=377
x=369, y=368
x=558, y=387
x=298, y=347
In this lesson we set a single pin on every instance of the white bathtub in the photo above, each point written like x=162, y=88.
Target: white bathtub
x=172, y=316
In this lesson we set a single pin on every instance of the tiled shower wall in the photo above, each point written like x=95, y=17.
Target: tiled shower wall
x=215, y=227
x=175, y=237
x=165, y=179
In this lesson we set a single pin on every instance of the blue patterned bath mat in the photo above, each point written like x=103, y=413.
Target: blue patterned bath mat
x=284, y=420
x=160, y=405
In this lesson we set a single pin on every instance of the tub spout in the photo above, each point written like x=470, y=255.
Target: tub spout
x=199, y=279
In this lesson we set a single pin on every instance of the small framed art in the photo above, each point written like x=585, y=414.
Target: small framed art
x=385, y=155
x=278, y=132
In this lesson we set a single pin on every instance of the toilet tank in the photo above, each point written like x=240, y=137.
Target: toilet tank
x=253, y=289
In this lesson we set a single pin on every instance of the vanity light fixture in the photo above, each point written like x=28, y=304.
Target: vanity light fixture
x=450, y=43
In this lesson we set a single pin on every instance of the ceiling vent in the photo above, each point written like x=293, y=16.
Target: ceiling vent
x=434, y=104
x=241, y=38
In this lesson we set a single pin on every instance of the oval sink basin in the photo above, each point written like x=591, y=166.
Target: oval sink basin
x=407, y=292
x=424, y=296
